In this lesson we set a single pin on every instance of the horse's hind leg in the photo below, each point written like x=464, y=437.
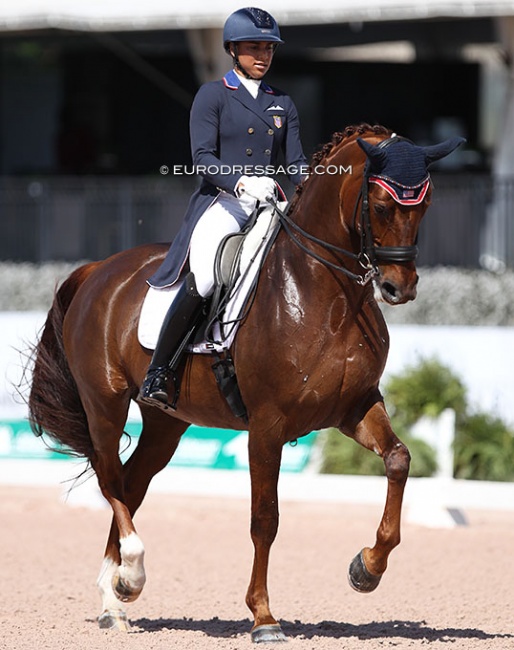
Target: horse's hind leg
x=374, y=432
x=159, y=438
x=125, y=569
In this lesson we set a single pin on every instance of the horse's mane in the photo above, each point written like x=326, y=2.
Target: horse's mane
x=336, y=139
x=348, y=132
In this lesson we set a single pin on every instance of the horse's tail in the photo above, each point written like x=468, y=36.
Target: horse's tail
x=54, y=402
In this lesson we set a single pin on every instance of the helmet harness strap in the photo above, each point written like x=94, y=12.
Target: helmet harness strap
x=237, y=63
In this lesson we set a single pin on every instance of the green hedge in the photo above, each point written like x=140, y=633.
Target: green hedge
x=343, y=456
x=483, y=446
x=443, y=294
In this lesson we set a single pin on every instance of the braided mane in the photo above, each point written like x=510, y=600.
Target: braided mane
x=337, y=138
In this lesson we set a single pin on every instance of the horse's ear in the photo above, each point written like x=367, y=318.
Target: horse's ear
x=376, y=156
x=438, y=151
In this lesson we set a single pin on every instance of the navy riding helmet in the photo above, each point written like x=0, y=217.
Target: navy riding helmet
x=251, y=24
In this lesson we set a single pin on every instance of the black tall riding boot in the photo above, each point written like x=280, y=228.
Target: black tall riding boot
x=178, y=322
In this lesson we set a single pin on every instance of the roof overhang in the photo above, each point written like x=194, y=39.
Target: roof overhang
x=129, y=15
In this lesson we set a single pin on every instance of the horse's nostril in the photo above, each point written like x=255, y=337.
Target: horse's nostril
x=390, y=289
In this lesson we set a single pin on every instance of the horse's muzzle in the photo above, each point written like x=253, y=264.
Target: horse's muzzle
x=396, y=284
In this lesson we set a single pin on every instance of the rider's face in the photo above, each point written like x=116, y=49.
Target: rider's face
x=255, y=57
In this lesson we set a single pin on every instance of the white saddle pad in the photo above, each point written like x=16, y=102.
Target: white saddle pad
x=158, y=301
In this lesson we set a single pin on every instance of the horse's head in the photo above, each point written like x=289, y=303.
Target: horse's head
x=379, y=204
x=396, y=192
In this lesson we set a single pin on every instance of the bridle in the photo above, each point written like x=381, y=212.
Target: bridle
x=383, y=254
x=370, y=255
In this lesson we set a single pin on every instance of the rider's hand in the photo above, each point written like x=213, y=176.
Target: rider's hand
x=260, y=188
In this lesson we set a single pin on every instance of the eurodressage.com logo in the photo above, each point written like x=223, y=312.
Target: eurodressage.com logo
x=254, y=170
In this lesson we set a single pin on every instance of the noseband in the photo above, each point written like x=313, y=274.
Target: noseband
x=370, y=255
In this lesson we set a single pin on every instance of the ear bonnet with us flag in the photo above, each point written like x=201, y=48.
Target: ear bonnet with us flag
x=401, y=167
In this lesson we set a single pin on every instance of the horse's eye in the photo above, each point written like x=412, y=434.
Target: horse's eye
x=380, y=208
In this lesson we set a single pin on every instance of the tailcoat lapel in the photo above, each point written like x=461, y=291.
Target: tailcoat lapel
x=259, y=106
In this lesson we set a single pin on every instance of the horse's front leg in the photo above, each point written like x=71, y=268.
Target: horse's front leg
x=265, y=456
x=374, y=432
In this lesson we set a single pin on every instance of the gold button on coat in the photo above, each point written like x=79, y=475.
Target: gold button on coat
x=270, y=131
x=249, y=152
x=251, y=130
x=267, y=151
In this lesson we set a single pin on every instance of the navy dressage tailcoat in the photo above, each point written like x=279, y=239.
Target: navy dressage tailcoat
x=233, y=134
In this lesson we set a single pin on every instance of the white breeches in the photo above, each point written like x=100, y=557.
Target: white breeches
x=226, y=215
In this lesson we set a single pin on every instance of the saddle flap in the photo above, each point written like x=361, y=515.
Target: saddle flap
x=227, y=259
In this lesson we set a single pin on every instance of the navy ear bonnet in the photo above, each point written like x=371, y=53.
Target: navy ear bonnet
x=401, y=167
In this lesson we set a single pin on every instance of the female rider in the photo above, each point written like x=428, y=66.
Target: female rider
x=238, y=127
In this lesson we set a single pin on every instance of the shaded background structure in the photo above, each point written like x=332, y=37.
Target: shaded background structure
x=94, y=101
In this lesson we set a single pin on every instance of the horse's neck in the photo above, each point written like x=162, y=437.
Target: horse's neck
x=301, y=294
x=300, y=297
x=326, y=207
x=296, y=265
x=326, y=210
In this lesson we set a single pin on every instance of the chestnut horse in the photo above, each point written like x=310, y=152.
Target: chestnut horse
x=308, y=355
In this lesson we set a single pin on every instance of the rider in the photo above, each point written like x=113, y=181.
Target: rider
x=238, y=127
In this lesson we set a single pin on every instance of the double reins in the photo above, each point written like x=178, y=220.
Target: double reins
x=292, y=228
x=369, y=255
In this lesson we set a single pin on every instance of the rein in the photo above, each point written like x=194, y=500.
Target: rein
x=369, y=255
x=289, y=226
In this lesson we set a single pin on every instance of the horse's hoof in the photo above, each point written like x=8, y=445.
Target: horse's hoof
x=114, y=621
x=360, y=578
x=268, y=634
x=122, y=591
